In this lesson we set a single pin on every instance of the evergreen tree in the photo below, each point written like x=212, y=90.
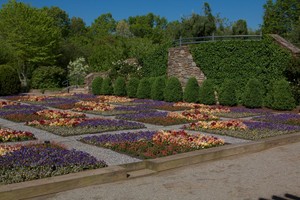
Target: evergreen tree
x=173, y=90
x=191, y=92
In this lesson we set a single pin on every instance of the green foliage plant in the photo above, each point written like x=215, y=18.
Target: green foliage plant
x=9, y=81
x=144, y=89
x=132, y=86
x=282, y=96
x=48, y=77
x=173, y=90
x=107, y=88
x=227, y=94
x=96, y=85
x=242, y=60
x=157, y=90
x=207, y=92
x=191, y=92
x=253, y=94
x=120, y=86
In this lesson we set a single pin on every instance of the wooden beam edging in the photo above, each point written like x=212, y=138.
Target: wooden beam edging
x=195, y=157
x=62, y=183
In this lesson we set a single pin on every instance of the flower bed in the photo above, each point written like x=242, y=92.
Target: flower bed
x=26, y=116
x=26, y=98
x=114, y=99
x=92, y=106
x=8, y=135
x=36, y=161
x=157, y=118
x=152, y=144
x=242, y=112
x=291, y=119
x=20, y=113
x=7, y=103
x=243, y=129
x=196, y=114
x=78, y=126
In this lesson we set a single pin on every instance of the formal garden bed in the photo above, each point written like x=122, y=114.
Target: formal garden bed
x=250, y=130
x=241, y=112
x=21, y=163
x=284, y=118
x=25, y=113
x=153, y=144
x=79, y=126
x=9, y=135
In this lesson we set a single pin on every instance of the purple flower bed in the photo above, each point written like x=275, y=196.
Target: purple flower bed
x=248, y=110
x=122, y=137
x=41, y=161
x=20, y=109
x=143, y=115
x=109, y=123
x=292, y=119
x=56, y=101
x=252, y=125
x=242, y=112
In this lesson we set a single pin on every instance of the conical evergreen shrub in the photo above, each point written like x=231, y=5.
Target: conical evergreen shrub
x=191, y=92
x=207, y=92
x=173, y=90
x=282, y=96
x=132, y=87
x=157, y=90
x=253, y=94
x=107, y=88
x=144, y=89
x=227, y=94
x=120, y=86
x=96, y=85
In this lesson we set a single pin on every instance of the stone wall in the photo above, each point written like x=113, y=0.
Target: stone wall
x=90, y=77
x=182, y=65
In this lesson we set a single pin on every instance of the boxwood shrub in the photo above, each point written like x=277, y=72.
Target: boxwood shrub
x=207, y=92
x=227, y=93
x=144, y=89
x=107, y=88
x=132, y=86
x=120, y=86
x=173, y=90
x=96, y=85
x=9, y=81
x=191, y=92
x=157, y=90
x=253, y=94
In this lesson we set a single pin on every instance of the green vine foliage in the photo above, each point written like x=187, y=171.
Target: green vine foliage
x=241, y=61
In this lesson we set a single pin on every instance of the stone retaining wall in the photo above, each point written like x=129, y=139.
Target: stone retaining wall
x=182, y=65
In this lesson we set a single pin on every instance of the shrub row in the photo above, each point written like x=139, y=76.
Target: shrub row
x=279, y=95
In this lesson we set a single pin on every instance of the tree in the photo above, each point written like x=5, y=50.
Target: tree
x=227, y=94
x=120, y=87
x=132, y=87
x=144, y=89
x=105, y=24
x=280, y=16
x=282, y=96
x=240, y=27
x=77, y=69
x=97, y=85
x=31, y=35
x=107, y=88
x=123, y=29
x=77, y=26
x=207, y=92
x=157, y=89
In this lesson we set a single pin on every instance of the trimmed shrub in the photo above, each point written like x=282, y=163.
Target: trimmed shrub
x=132, y=87
x=120, y=86
x=106, y=88
x=191, y=92
x=157, y=90
x=282, y=96
x=173, y=90
x=9, y=81
x=144, y=89
x=253, y=94
x=47, y=77
x=96, y=85
x=207, y=92
x=227, y=94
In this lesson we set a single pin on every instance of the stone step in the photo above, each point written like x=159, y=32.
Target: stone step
x=140, y=173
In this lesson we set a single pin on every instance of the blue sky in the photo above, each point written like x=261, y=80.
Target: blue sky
x=89, y=10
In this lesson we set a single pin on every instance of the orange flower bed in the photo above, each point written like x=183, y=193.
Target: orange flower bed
x=217, y=125
x=92, y=106
x=55, y=114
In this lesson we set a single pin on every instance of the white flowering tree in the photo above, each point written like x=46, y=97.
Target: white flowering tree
x=77, y=70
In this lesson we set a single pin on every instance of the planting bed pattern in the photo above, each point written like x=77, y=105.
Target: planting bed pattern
x=85, y=132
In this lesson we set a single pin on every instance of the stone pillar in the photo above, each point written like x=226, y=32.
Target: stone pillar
x=182, y=65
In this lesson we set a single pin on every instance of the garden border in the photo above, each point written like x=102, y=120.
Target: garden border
x=62, y=183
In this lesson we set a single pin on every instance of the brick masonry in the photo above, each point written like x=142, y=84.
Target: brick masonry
x=182, y=65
